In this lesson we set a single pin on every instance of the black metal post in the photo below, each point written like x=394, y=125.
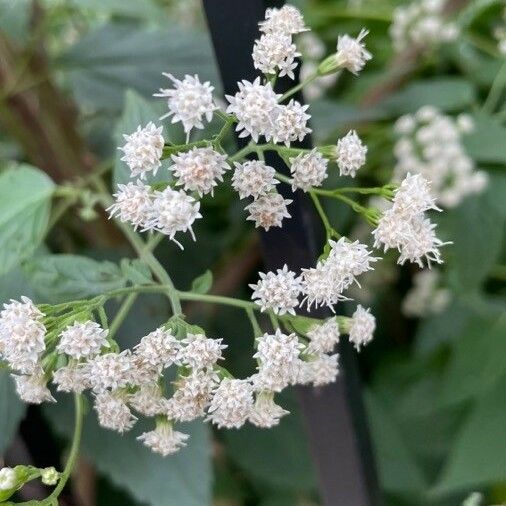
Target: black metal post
x=334, y=415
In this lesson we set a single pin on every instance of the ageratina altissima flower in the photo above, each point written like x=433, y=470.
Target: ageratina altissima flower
x=231, y=404
x=22, y=335
x=109, y=371
x=8, y=478
x=82, y=339
x=143, y=150
x=33, y=388
x=147, y=400
x=199, y=169
x=430, y=144
x=323, y=337
x=320, y=370
x=268, y=210
x=325, y=283
x=164, y=439
x=255, y=106
x=253, y=178
x=189, y=102
x=113, y=413
x=404, y=226
x=278, y=291
x=275, y=52
x=266, y=413
x=308, y=170
x=159, y=349
x=133, y=204
x=200, y=352
x=70, y=378
x=290, y=123
x=172, y=212
x=350, y=154
x=192, y=395
x=279, y=363
x=362, y=327
x=287, y=20
x=351, y=52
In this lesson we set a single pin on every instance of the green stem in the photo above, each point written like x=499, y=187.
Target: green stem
x=218, y=299
x=224, y=130
x=329, y=229
x=122, y=313
x=496, y=90
x=299, y=86
x=257, y=331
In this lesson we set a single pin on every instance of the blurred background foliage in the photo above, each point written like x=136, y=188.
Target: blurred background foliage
x=76, y=74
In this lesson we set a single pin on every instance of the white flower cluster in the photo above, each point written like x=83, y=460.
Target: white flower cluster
x=430, y=144
x=426, y=295
x=421, y=24
x=350, y=154
x=405, y=227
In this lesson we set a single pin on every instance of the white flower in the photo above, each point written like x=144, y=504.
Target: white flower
x=268, y=210
x=159, y=349
x=231, y=404
x=291, y=123
x=8, y=479
x=433, y=148
x=351, y=53
x=134, y=202
x=413, y=196
x=277, y=291
x=308, y=170
x=253, y=178
x=320, y=371
x=421, y=24
x=22, y=335
x=33, y=388
x=279, y=362
x=323, y=337
x=109, y=371
x=275, y=52
x=199, y=169
x=200, y=352
x=70, y=378
x=324, y=284
x=350, y=154
x=113, y=413
x=362, y=327
x=143, y=150
x=426, y=297
x=287, y=20
x=266, y=413
x=190, y=101
x=82, y=339
x=192, y=396
x=174, y=211
x=255, y=106
x=164, y=439
x=148, y=400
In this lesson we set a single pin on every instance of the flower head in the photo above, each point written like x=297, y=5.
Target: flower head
x=291, y=123
x=351, y=53
x=8, y=478
x=200, y=352
x=231, y=404
x=287, y=20
x=266, y=413
x=362, y=327
x=277, y=291
x=109, y=371
x=143, y=150
x=308, y=170
x=148, y=400
x=323, y=337
x=82, y=339
x=33, y=388
x=350, y=154
x=275, y=52
x=189, y=102
x=164, y=439
x=199, y=169
x=321, y=370
x=253, y=178
x=268, y=210
x=159, y=349
x=113, y=413
x=70, y=378
x=134, y=203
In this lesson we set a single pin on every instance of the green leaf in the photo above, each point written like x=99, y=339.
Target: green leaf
x=476, y=229
x=448, y=94
x=398, y=469
x=25, y=203
x=183, y=479
x=58, y=278
x=486, y=143
x=115, y=57
x=478, y=456
x=136, y=271
x=12, y=410
x=203, y=283
x=477, y=362
x=277, y=456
